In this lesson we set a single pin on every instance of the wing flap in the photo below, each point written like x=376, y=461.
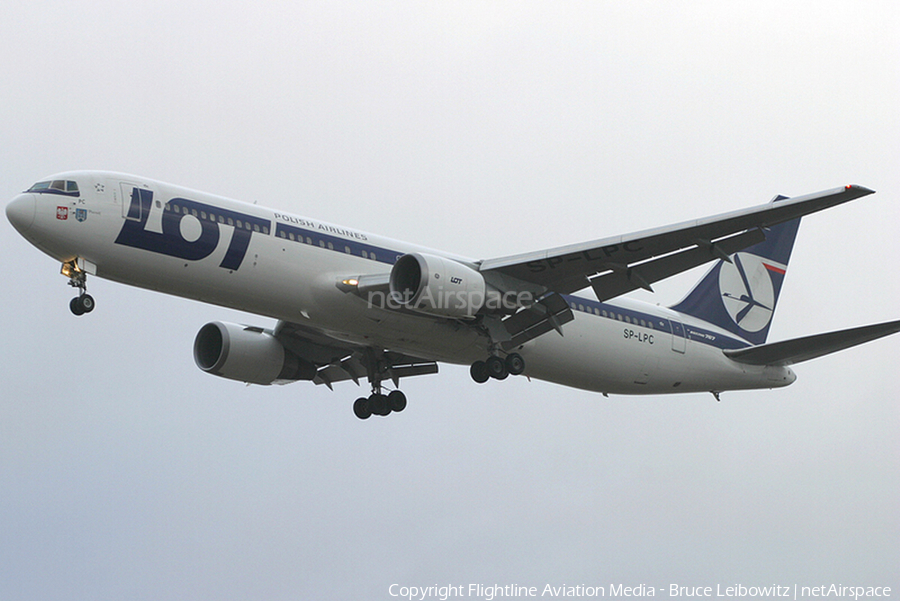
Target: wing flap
x=550, y=313
x=566, y=269
x=798, y=350
x=396, y=366
x=621, y=280
x=339, y=361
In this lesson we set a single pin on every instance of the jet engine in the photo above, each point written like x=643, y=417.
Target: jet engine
x=248, y=354
x=437, y=286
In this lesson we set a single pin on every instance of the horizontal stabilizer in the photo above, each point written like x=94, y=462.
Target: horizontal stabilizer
x=798, y=350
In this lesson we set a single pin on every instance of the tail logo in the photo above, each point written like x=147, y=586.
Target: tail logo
x=747, y=290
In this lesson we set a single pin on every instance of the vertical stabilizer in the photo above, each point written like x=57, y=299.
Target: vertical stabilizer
x=741, y=296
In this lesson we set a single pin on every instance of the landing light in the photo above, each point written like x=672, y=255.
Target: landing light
x=351, y=282
x=68, y=269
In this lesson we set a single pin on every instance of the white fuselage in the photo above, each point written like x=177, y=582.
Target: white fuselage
x=287, y=267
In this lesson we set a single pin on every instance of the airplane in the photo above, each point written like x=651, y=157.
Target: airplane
x=351, y=305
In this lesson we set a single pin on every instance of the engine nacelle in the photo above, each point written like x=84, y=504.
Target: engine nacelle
x=247, y=354
x=437, y=286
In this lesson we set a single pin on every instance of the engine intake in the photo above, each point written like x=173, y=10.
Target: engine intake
x=248, y=354
x=437, y=286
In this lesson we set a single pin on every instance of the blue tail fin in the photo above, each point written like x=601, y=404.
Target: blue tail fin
x=741, y=296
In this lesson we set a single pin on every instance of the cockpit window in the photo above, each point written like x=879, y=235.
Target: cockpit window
x=57, y=186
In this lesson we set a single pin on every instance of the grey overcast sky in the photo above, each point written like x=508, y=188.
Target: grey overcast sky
x=481, y=128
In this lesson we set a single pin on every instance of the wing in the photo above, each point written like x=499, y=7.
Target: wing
x=614, y=266
x=338, y=360
x=798, y=350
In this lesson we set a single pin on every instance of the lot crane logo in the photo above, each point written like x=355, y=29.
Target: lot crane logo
x=747, y=290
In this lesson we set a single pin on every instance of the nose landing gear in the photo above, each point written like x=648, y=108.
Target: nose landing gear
x=84, y=302
x=81, y=304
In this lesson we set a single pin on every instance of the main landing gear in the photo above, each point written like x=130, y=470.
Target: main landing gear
x=378, y=368
x=84, y=302
x=497, y=368
x=378, y=403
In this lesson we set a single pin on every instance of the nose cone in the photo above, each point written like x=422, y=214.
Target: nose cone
x=20, y=212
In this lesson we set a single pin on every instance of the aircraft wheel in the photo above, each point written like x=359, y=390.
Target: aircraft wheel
x=87, y=302
x=515, y=364
x=379, y=404
x=396, y=401
x=496, y=368
x=75, y=306
x=361, y=408
x=479, y=372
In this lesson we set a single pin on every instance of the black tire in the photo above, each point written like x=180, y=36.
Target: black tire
x=396, y=401
x=515, y=364
x=361, y=408
x=75, y=306
x=479, y=372
x=87, y=302
x=379, y=404
x=496, y=368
